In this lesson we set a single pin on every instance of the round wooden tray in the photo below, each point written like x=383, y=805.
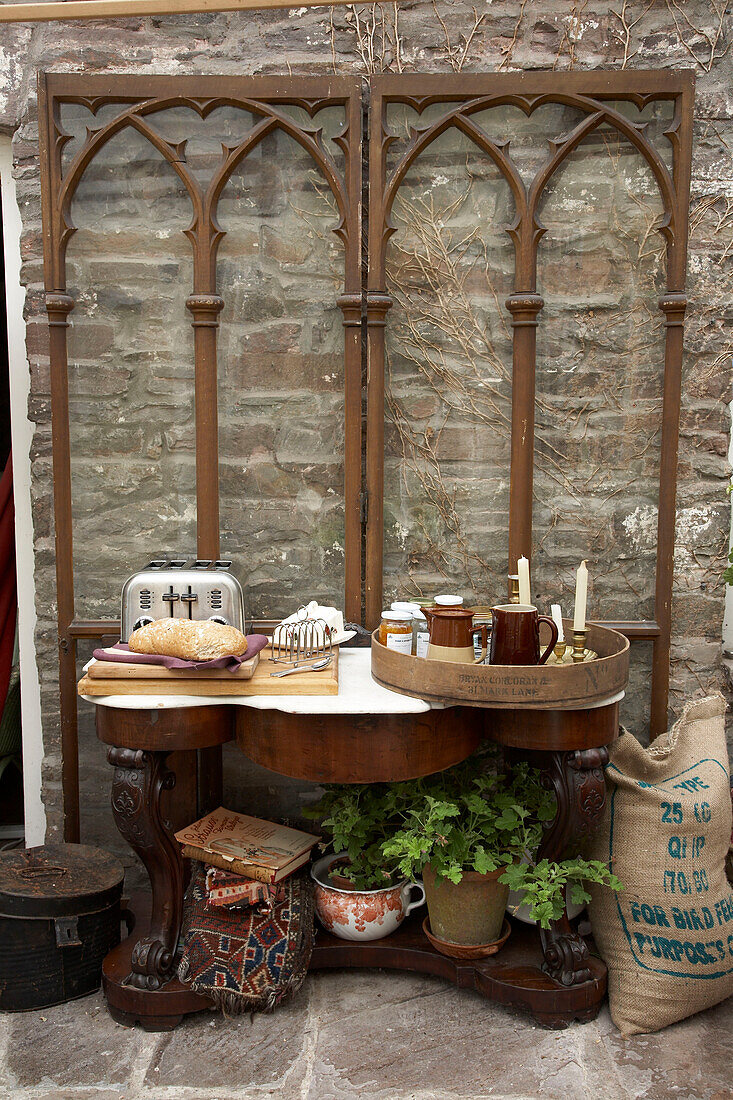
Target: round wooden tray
x=504, y=687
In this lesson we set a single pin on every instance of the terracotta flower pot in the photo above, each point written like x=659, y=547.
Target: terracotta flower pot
x=361, y=914
x=470, y=911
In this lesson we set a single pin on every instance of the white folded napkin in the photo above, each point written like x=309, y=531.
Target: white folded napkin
x=331, y=616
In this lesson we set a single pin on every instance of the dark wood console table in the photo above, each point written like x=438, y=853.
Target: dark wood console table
x=551, y=974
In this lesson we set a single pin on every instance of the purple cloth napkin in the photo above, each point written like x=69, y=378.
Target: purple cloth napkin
x=122, y=654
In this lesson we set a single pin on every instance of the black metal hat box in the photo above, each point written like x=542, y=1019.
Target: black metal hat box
x=59, y=916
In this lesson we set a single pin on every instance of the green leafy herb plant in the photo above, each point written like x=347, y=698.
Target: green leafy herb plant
x=471, y=817
x=360, y=819
x=543, y=884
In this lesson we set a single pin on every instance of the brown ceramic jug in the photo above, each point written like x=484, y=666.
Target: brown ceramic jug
x=451, y=634
x=515, y=635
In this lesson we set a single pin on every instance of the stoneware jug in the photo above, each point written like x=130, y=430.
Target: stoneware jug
x=451, y=634
x=515, y=635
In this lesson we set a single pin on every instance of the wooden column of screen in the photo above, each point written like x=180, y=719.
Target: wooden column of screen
x=138, y=97
x=464, y=96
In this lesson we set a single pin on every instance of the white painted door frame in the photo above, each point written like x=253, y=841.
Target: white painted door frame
x=21, y=431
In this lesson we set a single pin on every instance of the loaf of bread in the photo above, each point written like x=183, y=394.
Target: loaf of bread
x=189, y=639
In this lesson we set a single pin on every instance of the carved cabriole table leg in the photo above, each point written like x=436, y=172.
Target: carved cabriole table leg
x=138, y=976
x=580, y=788
x=140, y=777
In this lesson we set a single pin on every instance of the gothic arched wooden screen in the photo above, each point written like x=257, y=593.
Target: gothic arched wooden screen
x=440, y=340
x=202, y=152
x=502, y=235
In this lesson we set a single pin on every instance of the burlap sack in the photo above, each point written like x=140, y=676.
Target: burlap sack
x=667, y=939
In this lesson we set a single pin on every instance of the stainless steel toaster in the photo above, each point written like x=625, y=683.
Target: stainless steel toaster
x=179, y=588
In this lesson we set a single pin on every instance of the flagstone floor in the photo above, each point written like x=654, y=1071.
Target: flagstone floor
x=365, y=1034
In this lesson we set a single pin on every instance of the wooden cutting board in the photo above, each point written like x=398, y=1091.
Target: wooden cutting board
x=260, y=683
x=107, y=670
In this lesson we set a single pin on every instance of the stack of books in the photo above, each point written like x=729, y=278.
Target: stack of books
x=248, y=846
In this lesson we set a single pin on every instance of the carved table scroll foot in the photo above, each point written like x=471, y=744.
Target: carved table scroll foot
x=580, y=788
x=139, y=779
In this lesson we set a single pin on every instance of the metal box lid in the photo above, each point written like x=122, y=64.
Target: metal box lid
x=58, y=880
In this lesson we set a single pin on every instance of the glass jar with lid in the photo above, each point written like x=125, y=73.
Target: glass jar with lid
x=449, y=601
x=405, y=605
x=395, y=630
x=422, y=634
x=408, y=607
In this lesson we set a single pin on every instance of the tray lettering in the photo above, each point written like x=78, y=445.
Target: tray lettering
x=516, y=685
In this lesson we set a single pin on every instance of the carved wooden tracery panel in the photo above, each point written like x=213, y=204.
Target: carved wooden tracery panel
x=445, y=103
x=120, y=105
x=438, y=107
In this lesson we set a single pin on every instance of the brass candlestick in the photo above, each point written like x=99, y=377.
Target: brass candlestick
x=514, y=588
x=564, y=654
x=579, y=637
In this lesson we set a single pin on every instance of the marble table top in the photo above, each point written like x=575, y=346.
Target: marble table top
x=358, y=694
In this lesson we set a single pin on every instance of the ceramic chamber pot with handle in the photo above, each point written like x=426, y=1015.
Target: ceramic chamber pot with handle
x=361, y=915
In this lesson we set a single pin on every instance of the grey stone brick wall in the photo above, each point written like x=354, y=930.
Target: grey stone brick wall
x=275, y=305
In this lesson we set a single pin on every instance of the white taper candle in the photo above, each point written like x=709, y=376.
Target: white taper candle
x=524, y=591
x=581, y=597
x=557, y=617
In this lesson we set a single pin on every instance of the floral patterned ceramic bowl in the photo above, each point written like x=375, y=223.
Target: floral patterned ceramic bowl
x=361, y=914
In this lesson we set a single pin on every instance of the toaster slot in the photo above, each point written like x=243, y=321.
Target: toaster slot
x=170, y=597
x=189, y=599
x=223, y=563
x=176, y=563
x=201, y=563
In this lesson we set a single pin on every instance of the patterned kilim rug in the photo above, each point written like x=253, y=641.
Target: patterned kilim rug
x=243, y=960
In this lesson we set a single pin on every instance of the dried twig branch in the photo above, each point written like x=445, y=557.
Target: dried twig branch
x=378, y=43
x=456, y=53
x=508, y=50
x=572, y=34
x=624, y=32
x=690, y=35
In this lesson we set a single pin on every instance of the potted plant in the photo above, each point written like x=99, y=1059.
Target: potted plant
x=358, y=894
x=468, y=830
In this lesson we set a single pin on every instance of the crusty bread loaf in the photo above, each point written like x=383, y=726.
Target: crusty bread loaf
x=189, y=639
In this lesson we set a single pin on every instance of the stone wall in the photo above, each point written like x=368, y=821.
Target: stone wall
x=440, y=37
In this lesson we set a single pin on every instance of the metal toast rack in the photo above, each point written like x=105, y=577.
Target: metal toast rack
x=304, y=640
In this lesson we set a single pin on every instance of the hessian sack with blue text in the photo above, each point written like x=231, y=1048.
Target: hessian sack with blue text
x=667, y=938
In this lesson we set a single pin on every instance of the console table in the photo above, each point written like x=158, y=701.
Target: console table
x=365, y=734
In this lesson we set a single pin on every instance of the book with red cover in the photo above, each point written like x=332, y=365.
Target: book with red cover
x=252, y=847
